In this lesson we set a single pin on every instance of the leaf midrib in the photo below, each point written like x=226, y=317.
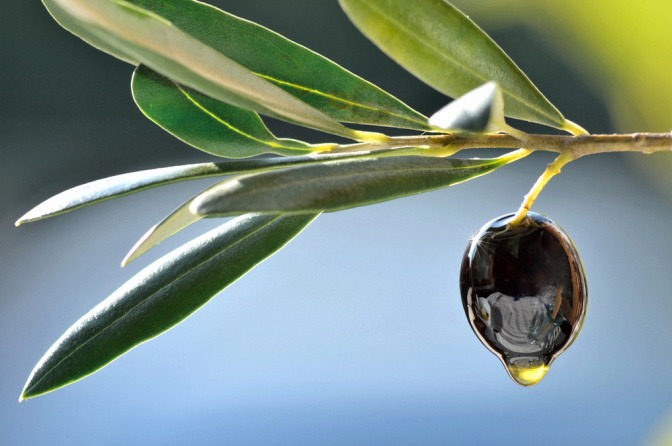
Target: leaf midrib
x=276, y=144
x=339, y=99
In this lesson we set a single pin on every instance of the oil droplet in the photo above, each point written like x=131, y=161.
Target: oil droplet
x=527, y=375
x=524, y=292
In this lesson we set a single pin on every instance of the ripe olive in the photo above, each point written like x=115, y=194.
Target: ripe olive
x=524, y=293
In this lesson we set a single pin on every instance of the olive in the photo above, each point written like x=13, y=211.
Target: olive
x=524, y=293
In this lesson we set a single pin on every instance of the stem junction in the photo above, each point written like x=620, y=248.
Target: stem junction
x=569, y=147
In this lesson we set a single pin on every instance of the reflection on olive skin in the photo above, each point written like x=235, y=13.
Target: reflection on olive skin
x=524, y=293
x=523, y=325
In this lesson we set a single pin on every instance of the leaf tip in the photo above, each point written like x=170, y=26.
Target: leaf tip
x=199, y=207
x=26, y=393
x=133, y=254
x=138, y=249
x=30, y=392
x=25, y=218
x=35, y=214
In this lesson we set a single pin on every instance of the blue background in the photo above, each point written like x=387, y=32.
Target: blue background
x=354, y=333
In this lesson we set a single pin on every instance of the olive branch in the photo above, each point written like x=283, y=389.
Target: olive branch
x=207, y=77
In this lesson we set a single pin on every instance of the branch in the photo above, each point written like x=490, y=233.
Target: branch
x=578, y=146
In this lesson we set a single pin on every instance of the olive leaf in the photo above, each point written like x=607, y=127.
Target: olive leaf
x=73, y=25
x=148, y=38
x=311, y=77
x=129, y=183
x=337, y=185
x=177, y=220
x=121, y=185
x=480, y=110
x=441, y=46
x=210, y=125
x=160, y=296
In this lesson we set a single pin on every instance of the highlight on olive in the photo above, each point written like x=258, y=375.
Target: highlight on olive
x=524, y=293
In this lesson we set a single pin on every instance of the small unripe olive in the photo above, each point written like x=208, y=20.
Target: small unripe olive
x=524, y=292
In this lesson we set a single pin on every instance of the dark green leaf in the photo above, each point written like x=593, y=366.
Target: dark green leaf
x=298, y=70
x=205, y=123
x=337, y=185
x=480, y=110
x=444, y=48
x=161, y=296
x=150, y=39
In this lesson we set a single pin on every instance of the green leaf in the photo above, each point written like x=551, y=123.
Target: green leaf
x=161, y=296
x=129, y=183
x=126, y=184
x=179, y=219
x=480, y=110
x=73, y=25
x=445, y=49
x=337, y=185
x=298, y=70
x=205, y=123
x=150, y=39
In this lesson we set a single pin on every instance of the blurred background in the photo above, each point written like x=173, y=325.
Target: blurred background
x=354, y=334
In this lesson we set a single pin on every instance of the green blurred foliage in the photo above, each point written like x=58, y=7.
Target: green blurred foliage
x=623, y=48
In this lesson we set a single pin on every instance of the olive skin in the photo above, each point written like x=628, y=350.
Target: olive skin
x=524, y=293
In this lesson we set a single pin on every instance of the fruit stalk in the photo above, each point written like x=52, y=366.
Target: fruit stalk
x=552, y=170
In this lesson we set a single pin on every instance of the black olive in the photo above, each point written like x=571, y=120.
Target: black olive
x=524, y=292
